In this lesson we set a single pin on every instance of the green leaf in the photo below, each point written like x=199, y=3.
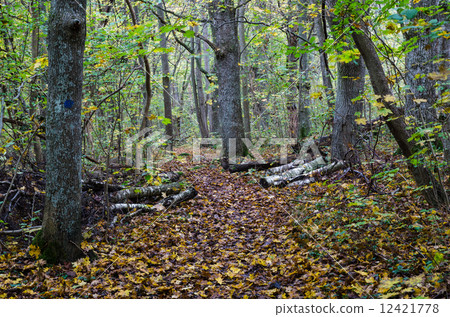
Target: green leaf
x=396, y=17
x=410, y=13
x=189, y=34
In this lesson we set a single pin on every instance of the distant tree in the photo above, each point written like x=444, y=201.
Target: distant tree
x=60, y=237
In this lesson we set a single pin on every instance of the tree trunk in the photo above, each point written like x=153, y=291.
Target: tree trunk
x=433, y=191
x=224, y=27
x=200, y=119
x=244, y=70
x=419, y=63
x=199, y=82
x=34, y=93
x=147, y=74
x=291, y=66
x=166, y=82
x=321, y=27
x=350, y=84
x=60, y=237
x=304, y=125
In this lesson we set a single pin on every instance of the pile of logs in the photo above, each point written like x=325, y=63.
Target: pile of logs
x=298, y=171
x=162, y=197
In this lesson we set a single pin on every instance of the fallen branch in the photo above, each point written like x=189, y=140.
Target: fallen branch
x=259, y=166
x=164, y=204
x=174, y=200
x=20, y=231
x=152, y=192
x=128, y=207
x=96, y=185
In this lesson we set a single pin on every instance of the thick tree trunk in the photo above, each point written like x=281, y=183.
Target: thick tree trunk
x=224, y=27
x=432, y=190
x=60, y=237
x=350, y=84
x=419, y=63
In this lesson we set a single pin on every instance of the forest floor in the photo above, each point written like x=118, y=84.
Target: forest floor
x=336, y=238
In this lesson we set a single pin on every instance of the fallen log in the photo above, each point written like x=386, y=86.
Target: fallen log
x=151, y=192
x=165, y=204
x=311, y=176
x=127, y=207
x=302, y=182
x=259, y=166
x=174, y=200
x=20, y=231
x=97, y=185
x=291, y=175
x=169, y=176
x=286, y=167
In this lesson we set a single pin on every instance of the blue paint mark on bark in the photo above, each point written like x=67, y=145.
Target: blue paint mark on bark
x=68, y=103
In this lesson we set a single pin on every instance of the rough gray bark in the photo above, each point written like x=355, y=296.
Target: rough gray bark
x=60, y=237
x=433, y=191
x=152, y=192
x=350, y=84
x=244, y=69
x=420, y=62
x=166, y=81
x=224, y=29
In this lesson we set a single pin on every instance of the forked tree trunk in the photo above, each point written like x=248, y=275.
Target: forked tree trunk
x=433, y=191
x=60, y=237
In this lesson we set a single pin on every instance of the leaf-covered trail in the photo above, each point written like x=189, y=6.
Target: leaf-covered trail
x=238, y=240
x=230, y=242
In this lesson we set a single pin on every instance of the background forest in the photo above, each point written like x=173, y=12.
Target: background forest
x=362, y=83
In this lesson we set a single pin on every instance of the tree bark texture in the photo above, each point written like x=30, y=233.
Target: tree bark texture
x=350, y=84
x=224, y=29
x=60, y=237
